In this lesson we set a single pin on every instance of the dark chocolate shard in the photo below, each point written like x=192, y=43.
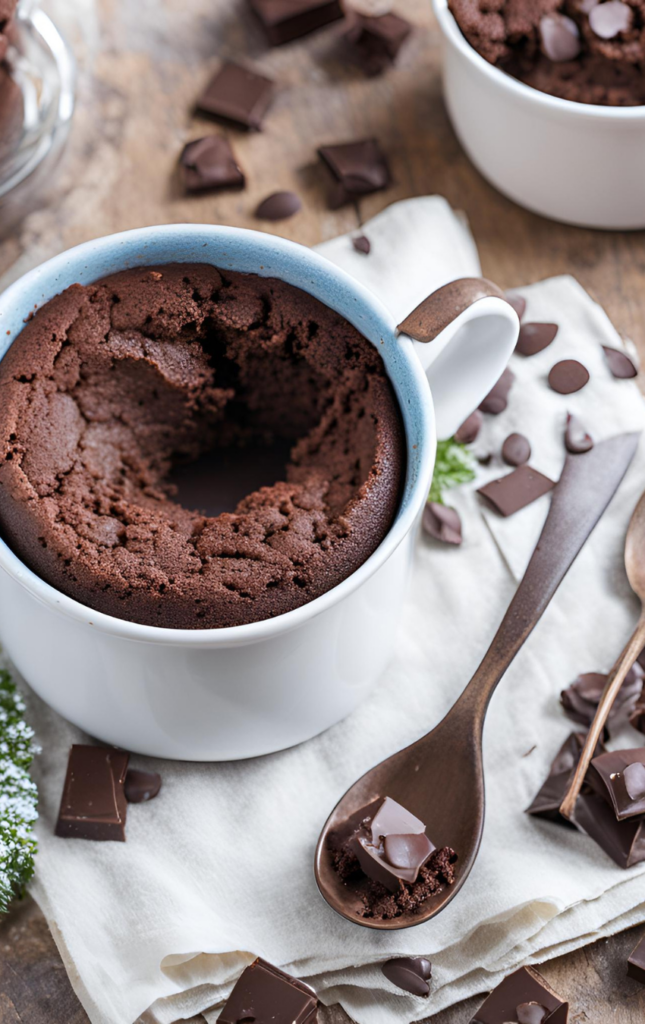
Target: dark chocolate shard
x=551, y=794
x=559, y=37
x=362, y=244
x=236, y=94
x=623, y=841
x=581, y=698
x=619, y=777
x=620, y=364
x=409, y=851
x=568, y=376
x=358, y=168
x=576, y=438
x=516, y=450
x=636, y=962
x=497, y=398
x=611, y=19
x=469, y=429
x=533, y=338
x=376, y=41
x=278, y=206
x=141, y=786
x=264, y=993
x=209, y=163
x=521, y=989
x=517, y=302
x=442, y=522
x=93, y=804
x=516, y=490
x=284, y=20
x=409, y=973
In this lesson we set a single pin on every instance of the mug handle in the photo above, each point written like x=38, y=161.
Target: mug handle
x=464, y=334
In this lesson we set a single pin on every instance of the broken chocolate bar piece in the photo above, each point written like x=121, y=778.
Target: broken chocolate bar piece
x=209, y=163
x=391, y=844
x=581, y=698
x=358, y=168
x=516, y=490
x=236, y=94
x=411, y=973
x=265, y=993
x=547, y=802
x=623, y=841
x=619, y=777
x=524, y=997
x=93, y=805
x=376, y=41
x=636, y=963
x=284, y=20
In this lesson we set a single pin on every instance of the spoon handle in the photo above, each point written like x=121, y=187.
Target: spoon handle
x=614, y=682
x=586, y=486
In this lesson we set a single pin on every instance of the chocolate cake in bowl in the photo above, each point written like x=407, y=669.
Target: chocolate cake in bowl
x=113, y=386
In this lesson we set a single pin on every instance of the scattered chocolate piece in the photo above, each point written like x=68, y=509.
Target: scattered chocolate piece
x=376, y=41
x=358, y=169
x=619, y=777
x=516, y=490
x=409, y=973
x=485, y=460
x=497, y=398
x=636, y=963
x=550, y=796
x=236, y=94
x=568, y=376
x=469, y=429
x=525, y=997
x=533, y=338
x=620, y=364
x=576, y=438
x=265, y=993
x=93, y=805
x=580, y=699
x=141, y=786
x=517, y=302
x=278, y=206
x=516, y=450
x=623, y=841
x=209, y=163
x=609, y=19
x=284, y=20
x=559, y=37
x=390, y=844
x=442, y=522
x=362, y=244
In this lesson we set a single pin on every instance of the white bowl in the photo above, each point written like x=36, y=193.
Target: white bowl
x=576, y=162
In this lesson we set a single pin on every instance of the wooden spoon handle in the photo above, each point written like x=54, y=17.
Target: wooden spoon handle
x=614, y=682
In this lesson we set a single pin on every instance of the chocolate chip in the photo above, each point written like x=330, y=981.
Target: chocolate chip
x=469, y=429
x=517, y=302
x=358, y=169
x=516, y=490
x=209, y=163
x=442, y=523
x=497, y=399
x=620, y=364
x=236, y=94
x=535, y=337
x=283, y=22
x=278, y=206
x=609, y=19
x=376, y=41
x=559, y=37
x=576, y=438
x=516, y=450
x=141, y=786
x=409, y=973
x=568, y=376
x=362, y=244
x=531, y=1013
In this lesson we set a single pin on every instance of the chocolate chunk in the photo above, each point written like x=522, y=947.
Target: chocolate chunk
x=576, y=438
x=469, y=429
x=517, y=302
x=278, y=206
x=568, y=376
x=497, y=398
x=265, y=993
x=551, y=794
x=581, y=698
x=623, y=841
x=533, y=338
x=620, y=364
x=358, y=169
x=636, y=963
x=93, y=805
x=209, y=163
x=141, y=786
x=619, y=777
x=609, y=19
x=559, y=37
x=442, y=523
x=284, y=20
x=516, y=450
x=524, y=989
x=376, y=41
x=362, y=244
x=236, y=94
x=409, y=973
x=516, y=490
x=410, y=848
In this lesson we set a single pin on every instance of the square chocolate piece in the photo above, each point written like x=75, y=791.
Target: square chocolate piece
x=376, y=41
x=236, y=94
x=358, y=169
x=523, y=996
x=636, y=963
x=93, y=805
x=516, y=490
x=284, y=20
x=209, y=163
x=547, y=802
x=265, y=993
x=623, y=841
x=619, y=777
x=390, y=844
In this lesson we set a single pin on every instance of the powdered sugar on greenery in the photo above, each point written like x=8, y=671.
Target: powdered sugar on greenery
x=18, y=794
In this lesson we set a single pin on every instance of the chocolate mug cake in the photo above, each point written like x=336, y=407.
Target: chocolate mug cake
x=111, y=385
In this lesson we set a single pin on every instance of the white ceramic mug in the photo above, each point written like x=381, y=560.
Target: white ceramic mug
x=218, y=694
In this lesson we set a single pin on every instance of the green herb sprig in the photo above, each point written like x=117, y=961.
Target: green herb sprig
x=453, y=466
x=18, y=795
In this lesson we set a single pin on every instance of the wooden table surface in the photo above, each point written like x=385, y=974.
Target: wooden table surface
x=141, y=65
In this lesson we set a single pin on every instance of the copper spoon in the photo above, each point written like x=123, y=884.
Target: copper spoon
x=440, y=777
x=635, y=568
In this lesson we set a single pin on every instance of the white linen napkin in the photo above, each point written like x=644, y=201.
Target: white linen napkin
x=219, y=868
